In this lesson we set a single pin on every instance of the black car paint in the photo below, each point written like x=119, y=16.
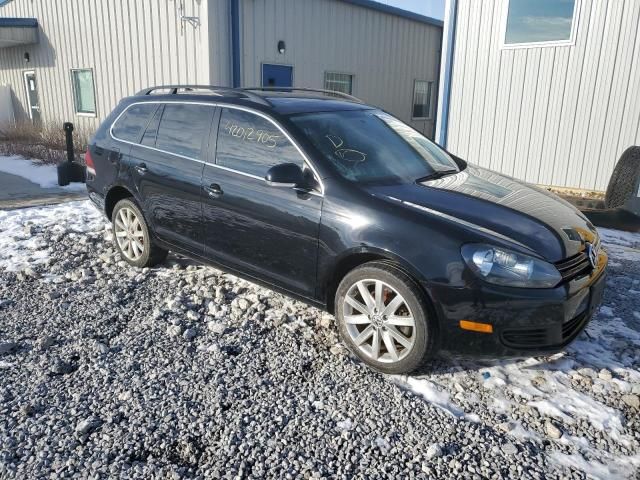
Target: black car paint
x=301, y=242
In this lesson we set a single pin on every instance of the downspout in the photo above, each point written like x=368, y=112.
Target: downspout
x=446, y=71
x=234, y=10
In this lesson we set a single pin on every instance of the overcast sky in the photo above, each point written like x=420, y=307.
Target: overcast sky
x=430, y=8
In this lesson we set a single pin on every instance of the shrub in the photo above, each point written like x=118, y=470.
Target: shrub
x=45, y=142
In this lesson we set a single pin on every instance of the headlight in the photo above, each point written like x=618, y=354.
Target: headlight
x=504, y=267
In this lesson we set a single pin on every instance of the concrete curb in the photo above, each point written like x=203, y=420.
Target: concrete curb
x=41, y=201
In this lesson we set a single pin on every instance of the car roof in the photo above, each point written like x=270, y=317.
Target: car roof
x=281, y=101
x=298, y=102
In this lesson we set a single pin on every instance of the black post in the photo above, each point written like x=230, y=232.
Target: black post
x=70, y=171
x=68, y=132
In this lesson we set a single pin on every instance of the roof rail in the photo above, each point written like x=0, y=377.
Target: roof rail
x=174, y=90
x=346, y=96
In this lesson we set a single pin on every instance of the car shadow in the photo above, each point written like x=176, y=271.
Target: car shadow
x=446, y=363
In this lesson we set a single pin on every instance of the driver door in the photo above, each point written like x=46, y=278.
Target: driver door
x=270, y=233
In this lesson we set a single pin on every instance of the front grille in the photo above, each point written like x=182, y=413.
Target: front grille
x=572, y=327
x=574, y=266
x=525, y=338
x=545, y=337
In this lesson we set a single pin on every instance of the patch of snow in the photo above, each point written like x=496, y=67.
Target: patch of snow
x=382, y=444
x=36, y=172
x=620, y=468
x=19, y=248
x=429, y=392
x=605, y=310
x=345, y=425
x=618, y=237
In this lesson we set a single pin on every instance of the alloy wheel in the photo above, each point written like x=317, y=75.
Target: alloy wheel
x=129, y=233
x=379, y=321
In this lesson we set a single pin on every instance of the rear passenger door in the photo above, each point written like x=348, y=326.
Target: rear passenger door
x=166, y=166
x=268, y=232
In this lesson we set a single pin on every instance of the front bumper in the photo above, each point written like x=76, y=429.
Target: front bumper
x=524, y=321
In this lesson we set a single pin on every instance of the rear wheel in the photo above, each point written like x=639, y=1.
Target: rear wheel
x=132, y=237
x=384, y=319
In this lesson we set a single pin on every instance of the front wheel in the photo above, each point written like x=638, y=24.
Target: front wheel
x=384, y=319
x=132, y=237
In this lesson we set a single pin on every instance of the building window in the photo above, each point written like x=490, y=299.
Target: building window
x=422, y=93
x=338, y=82
x=539, y=22
x=84, y=94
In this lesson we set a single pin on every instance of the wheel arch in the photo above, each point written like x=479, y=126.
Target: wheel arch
x=114, y=195
x=354, y=258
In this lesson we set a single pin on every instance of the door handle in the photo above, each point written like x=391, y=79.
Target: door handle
x=214, y=190
x=141, y=169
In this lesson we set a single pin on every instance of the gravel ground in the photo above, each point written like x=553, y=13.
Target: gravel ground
x=183, y=371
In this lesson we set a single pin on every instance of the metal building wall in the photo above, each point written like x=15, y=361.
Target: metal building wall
x=129, y=44
x=385, y=53
x=554, y=115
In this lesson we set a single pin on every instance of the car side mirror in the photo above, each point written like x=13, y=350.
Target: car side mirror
x=285, y=175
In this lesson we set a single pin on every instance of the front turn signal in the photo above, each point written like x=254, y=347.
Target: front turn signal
x=476, y=326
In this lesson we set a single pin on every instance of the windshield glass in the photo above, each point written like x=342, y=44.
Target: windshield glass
x=372, y=146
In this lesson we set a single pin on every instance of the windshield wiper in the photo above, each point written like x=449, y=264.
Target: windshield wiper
x=437, y=174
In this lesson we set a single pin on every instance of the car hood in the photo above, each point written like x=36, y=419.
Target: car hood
x=523, y=213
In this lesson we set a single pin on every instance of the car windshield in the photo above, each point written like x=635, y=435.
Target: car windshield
x=370, y=146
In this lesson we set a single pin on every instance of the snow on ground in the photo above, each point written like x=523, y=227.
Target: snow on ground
x=20, y=248
x=580, y=406
x=36, y=172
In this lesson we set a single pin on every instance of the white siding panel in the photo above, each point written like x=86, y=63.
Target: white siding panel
x=504, y=94
x=514, y=109
x=459, y=72
x=589, y=72
x=534, y=142
x=620, y=91
x=129, y=44
x=554, y=115
x=631, y=115
x=602, y=92
x=384, y=52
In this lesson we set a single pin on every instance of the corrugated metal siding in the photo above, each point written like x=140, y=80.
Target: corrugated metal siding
x=129, y=44
x=384, y=52
x=554, y=115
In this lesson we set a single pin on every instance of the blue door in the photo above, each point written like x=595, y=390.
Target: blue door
x=277, y=75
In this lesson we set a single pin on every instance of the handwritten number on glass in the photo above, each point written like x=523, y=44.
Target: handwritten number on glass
x=250, y=134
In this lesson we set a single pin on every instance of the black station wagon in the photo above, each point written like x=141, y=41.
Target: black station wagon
x=343, y=206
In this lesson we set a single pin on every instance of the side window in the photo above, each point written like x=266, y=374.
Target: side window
x=132, y=123
x=251, y=144
x=149, y=137
x=183, y=128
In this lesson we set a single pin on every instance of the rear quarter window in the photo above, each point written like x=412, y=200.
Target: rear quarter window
x=133, y=122
x=183, y=128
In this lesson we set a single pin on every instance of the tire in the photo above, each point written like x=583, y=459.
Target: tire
x=624, y=178
x=141, y=251
x=387, y=320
